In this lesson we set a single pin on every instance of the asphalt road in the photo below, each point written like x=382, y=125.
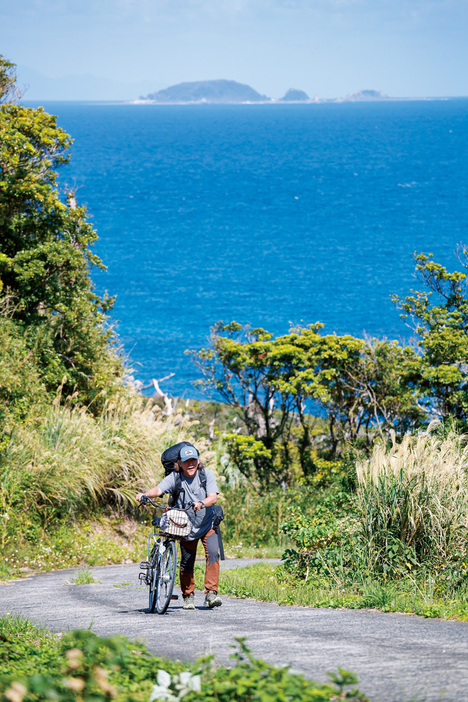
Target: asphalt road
x=398, y=658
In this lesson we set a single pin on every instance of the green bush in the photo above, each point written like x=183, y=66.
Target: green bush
x=21, y=385
x=323, y=536
x=408, y=519
x=256, y=517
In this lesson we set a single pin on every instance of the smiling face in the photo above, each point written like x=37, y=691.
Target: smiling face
x=189, y=467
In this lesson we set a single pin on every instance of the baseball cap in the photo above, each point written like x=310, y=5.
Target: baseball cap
x=187, y=452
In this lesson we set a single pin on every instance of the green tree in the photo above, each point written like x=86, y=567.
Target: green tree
x=8, y=90
x=439, y=315
x=275, y=384
x=238, y=369
x=362, y=386
x=21, y=384
x=46, y=255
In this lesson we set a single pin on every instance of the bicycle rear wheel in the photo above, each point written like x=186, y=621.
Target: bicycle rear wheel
x=166, y=577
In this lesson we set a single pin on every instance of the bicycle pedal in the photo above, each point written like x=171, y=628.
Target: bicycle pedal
x=142, y=576
x=174, y=597
x=144, y=565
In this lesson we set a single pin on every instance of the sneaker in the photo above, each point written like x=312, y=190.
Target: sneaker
x=212, y=599
x=189, y=601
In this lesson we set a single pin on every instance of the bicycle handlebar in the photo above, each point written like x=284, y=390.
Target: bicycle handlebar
x=147, y=500
x=144, y=500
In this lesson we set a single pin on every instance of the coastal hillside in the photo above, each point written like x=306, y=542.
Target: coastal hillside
x=213, y=91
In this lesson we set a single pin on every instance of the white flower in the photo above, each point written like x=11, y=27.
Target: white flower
x=188, y=683
x=183, y=683
x=161, y=690
x=164, y=678
x=162, y=693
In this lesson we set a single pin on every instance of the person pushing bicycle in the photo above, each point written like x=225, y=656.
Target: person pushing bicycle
x=186, y=487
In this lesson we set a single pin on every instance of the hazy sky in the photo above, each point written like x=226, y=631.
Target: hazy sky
x=325, y=47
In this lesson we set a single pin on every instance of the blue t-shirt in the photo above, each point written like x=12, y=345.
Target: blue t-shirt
x=192, y=491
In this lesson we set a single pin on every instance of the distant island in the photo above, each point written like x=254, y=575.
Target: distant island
x=231, y=92
x=212, y=91
x=294, y=95
x=363, y=95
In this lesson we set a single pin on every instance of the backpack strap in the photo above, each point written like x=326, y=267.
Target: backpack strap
x=202, y=476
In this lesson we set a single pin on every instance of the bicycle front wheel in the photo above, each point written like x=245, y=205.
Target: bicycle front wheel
x=166, y=577
x=152, y=578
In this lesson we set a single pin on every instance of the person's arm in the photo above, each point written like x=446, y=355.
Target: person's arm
x=208, y=501
x=167, y=484
x=152, y=492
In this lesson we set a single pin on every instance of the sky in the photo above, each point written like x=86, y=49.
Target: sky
x=84, y=49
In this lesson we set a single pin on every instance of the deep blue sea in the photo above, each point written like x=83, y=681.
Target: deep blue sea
x=267, y=214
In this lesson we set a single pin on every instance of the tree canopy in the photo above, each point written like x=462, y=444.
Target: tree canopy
x=46, y=255
x=439, y=316
x=363, y=388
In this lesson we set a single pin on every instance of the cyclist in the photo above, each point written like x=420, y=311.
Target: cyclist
x=185, y=487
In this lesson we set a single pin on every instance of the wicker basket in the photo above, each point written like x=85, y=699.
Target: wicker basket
x=175, y=523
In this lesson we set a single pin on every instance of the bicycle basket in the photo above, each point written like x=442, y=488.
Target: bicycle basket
x=175, y=522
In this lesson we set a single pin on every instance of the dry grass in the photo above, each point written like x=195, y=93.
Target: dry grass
x=67, y=461
x=417, y=492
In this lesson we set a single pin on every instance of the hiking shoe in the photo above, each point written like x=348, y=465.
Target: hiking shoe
x=212, y=599
x=189, y=601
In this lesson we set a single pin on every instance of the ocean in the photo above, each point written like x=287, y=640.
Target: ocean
x=270, y=215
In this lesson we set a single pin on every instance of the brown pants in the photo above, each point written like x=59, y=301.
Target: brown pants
x=189, y=552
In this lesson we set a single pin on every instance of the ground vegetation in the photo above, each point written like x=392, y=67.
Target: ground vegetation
x=40, y=665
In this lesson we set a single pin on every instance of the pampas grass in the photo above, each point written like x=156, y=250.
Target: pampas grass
x=416, y=492
x=65, y=461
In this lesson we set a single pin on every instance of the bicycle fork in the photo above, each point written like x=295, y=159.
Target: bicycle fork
x=147, y=567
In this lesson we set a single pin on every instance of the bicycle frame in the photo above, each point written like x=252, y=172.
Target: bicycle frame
x=154, y=539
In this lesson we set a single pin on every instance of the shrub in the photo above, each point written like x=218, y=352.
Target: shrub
x=322, y=535
x=257, y=518
x=20, y=379
x=83, y=666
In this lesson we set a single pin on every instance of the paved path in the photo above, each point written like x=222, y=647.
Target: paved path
x=398, y=658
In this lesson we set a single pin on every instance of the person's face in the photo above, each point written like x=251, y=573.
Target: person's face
x=189, y=467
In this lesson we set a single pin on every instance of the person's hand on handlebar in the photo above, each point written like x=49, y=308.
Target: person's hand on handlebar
x=152, y=492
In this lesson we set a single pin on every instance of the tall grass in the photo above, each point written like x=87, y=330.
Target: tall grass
x=65, y=462
x=412, y=498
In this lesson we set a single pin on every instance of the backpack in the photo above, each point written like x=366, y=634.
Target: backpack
x=171, y=455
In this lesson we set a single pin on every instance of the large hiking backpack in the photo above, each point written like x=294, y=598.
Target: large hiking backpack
x=171, y=455
x=169, y=459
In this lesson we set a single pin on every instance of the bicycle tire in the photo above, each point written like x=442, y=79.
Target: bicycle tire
x=152, y=577
x=166, y=577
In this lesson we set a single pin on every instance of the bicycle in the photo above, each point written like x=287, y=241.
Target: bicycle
x=161, y=564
